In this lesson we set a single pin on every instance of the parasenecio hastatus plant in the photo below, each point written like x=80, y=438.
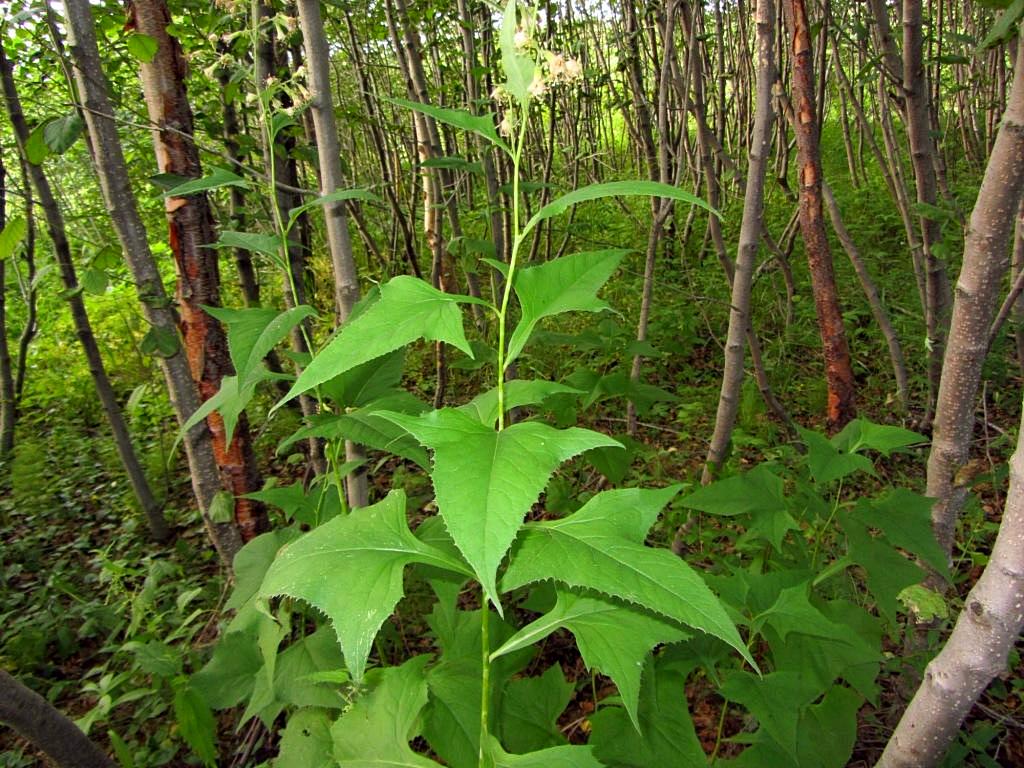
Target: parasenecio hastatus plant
x=589, y=572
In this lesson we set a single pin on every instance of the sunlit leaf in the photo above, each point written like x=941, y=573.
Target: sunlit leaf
x=486, y=481
x=408, y=309
x=568, y=284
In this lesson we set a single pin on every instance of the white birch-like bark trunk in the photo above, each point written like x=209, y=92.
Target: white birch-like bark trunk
x=750, y=238
x=985, y=263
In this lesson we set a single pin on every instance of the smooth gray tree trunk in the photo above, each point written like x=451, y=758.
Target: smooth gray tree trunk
x=346, y=279
x=749, y=239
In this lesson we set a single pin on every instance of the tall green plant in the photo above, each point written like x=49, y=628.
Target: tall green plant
x=619, y=597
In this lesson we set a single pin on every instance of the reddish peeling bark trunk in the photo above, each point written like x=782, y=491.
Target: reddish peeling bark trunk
x=838, y=370
x=190, y=225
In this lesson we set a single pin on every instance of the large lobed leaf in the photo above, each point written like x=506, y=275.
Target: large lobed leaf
x=351, y=569
x=600, y=548
x=486, y=481
x=408, y=309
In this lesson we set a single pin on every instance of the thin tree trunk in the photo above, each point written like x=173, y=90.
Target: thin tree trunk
x=156, y=305
x=749, y=239
x=661, y=208
x=275, y=158
x=47, y=727
x=346, y=279
x=976, y=651
x=62, y=253
x=247, y=278
x=985, y=262
x=1018, y=305
x=8, y=410
x=922, y=155
x=867, y=284
x=838, y=370
x=27, y=281
x=191, y=232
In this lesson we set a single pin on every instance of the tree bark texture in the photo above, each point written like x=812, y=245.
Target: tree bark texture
x=749, y=239
x=80, y=318
x=131, y=232
x=838, y=369
x=985, y=263
x=47, y=727
x=977, y=650
x=191, y=231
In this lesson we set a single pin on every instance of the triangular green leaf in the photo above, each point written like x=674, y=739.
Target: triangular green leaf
x=227, y=678
x=836, y=716
x=36, y=148
x=365, y=383
x=252, y=561
x=596, y=549
x=486, y=481
x=10, y=236
x=217, y=178
x=366, y=428
x=142, y=47
x=408, y=309
x=793, y=612
x=555, y=757
x=888, y=571
x=828, y=463
x=756, y=491
x=268, y=245
x=339, y=195
x=861, y=434
x=905, y=518
x=775, y=700
x=351, y=569
x=306, y=741
x=482, y=125
x=568, y=284
x=62, y=133
x=196, y=724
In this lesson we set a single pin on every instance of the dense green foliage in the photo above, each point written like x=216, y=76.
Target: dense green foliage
x=531, y=584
